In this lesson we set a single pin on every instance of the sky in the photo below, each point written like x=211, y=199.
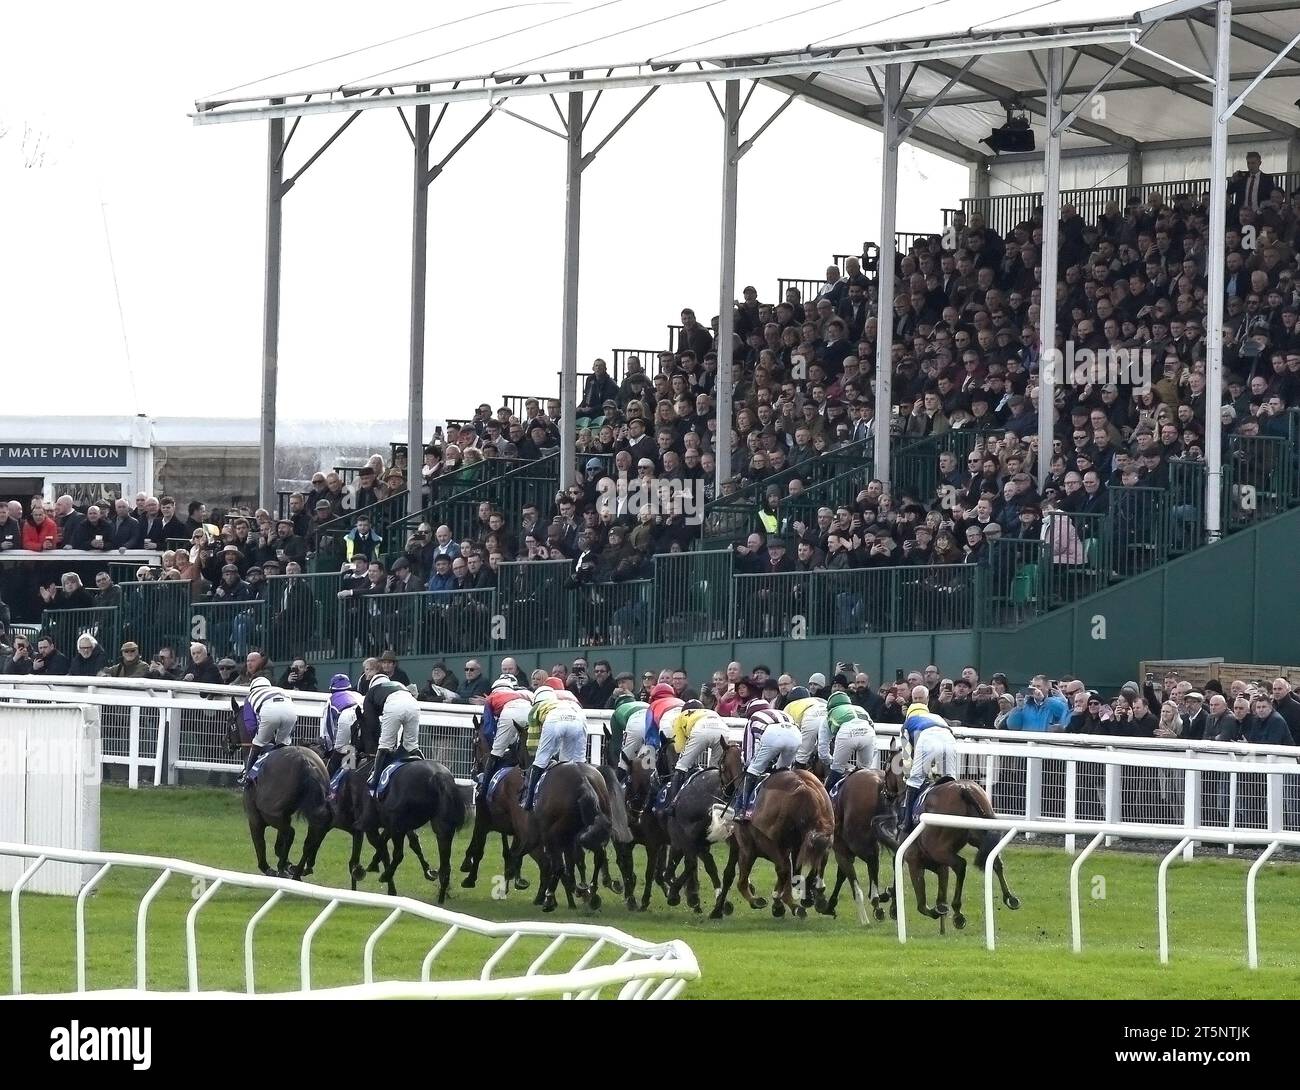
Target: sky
x=131, y=259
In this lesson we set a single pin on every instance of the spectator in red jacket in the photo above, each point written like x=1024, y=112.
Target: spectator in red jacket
x=40, y=532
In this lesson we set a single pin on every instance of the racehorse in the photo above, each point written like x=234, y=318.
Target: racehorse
x=290, y=780
x=858, y=803
x=503, y=813
x=793, y=826
x=938, y=848
x=577, y=807
x=419, y=791
x=689, y=826
x=647, y=823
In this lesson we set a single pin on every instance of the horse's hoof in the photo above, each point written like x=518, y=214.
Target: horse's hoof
x=958, y=920
x=373, y=868
x=800, y=912
x=631, y=904
x=593, y=902
x=582, y=891
x=886, y=896
x=674, y=899
x=696, y=907
x=940, y=911
x=758, y=902
x=468, y=882
x=880, y=913
x=615, y=887
x=1012, y=902
x=521, y=883
x=466, y=866
x=267, y=871
x=778, y=909
x=430, y=875
x=716, y=914
x=825, y=909
x=549, y=906
x=728, y=908
x=893, y=911
x=357, y=873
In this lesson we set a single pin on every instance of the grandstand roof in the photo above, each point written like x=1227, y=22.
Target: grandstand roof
x=827, y=51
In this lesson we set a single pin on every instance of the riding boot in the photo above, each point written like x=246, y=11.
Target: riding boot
x=534, y=775
x=832, y=778
x=745, y=795
x=414, y=754
x=622, y=774
x=333, y=763
x=905, y=811
x=254, y=752
x=489, y=770
x=381, y=762
x=675, y=785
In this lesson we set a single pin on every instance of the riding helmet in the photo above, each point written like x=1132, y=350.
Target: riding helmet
x=758, y=704
x=692, y=706
x=663, y=689
x=838, y=700
x=504, y=682
x=799, y=692
x=339, y=682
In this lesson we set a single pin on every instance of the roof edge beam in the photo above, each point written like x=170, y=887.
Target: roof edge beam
x=1236, y=104
x=212, y=113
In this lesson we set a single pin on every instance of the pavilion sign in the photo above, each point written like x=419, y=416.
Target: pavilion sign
x=61, y=454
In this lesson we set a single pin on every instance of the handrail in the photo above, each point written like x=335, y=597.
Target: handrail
x=662, y=961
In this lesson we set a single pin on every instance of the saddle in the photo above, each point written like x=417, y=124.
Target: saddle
x=398, y=760
x=495, y=782
x=839, y=784
x=267, y=750
x=918, y=807
x=661, y=795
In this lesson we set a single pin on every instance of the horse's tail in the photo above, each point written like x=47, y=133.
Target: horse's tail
x=617, y=806
x=451, y=806
x=975, y=799
x=595, y=829
x=313, y=795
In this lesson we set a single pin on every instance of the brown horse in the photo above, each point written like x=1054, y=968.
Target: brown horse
x=579, y=807
x=793, y=826
x=939, y=848
x=858, y=804
x=503, y=813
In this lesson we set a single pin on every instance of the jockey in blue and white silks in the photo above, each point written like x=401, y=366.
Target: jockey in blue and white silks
x=269, y=716
x=336, y=732
x=929, y=740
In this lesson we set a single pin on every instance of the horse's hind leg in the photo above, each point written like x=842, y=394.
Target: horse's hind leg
x=959, y=872
x=477, y=841
x=728, y=872
x=311, y=844
x=355, y=870
x=784, y=893
x=445, y=837
x=283, y=842
x=872, y=856
x=257, y=830
x=627, y=870
x=395, y=861
x=705, y=859
x=918, y=884
x=413, y=839
x=1008, y=898
x=744, y=864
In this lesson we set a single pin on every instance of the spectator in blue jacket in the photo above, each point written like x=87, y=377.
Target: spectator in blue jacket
x=1266, y=726
x=442, y=580
x=1040, y=712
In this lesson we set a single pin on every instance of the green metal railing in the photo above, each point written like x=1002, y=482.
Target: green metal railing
x=157, y=614
x=693, y=593
x=64, y=626
x=533, y=603
x=914, y=463
x=229, y=628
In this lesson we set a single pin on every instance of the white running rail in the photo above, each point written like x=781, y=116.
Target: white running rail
x=643, y=970
x=1013, y=827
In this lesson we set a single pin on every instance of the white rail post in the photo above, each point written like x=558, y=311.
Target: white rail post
x=304, y=958
x=900, y=904
x=1275, y=796
x=1071, y=803
x=1076, y=923
x=133, y=748
x=192, y=937
x=271, y=902
x=142, y=930
x=989, y=868
x=16, y=925
x=1191, y=803
x=426, y=966
x=1033, y=786
x=81, y=923
x=1162, y=897
x=1113, y=809
x=1252, y=947
x=368, y=957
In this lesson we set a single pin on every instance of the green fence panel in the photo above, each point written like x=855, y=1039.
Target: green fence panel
x=1139, y=529
x=534, y=603
x=612, y=613
x=230, y=628
x=692, y=600
x=1079, y=558
x=65, y=626
x=158, y=614
x=1014, y=581
x=1186, y=506
x=1263, y=471
x=766, y=605
x=302, y=616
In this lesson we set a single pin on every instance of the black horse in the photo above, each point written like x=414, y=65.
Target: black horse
x=291, y=781
x=688, y=828
x=419, y=791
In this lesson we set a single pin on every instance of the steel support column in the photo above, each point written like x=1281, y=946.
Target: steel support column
x=885, y=272
x=419, y=291
x=1215, y=260
x=569, y=340
x=1051, y=368
x=727, y=280
x=271, y=312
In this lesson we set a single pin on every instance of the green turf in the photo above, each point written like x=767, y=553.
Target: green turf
x=749, y=954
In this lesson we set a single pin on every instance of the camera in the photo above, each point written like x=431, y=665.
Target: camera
x=898, y=675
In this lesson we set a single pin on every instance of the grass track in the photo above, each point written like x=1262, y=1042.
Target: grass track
x=748, y=955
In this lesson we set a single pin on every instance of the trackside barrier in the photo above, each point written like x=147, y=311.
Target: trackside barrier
x=1013, y=827
x=644, y=970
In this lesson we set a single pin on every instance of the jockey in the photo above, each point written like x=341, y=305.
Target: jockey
x=664, y=705
x=809, y=715
x=853, y=734
x=627, y=725
x=390, y=707
x=335, y=741
x=563, y=732
x=773, y=739
x=269, y=716
x=505, y=721
x=695, y=730
x=930, y=741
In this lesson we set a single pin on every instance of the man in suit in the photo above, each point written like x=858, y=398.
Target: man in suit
x=1250, y=188
x=1196, y=720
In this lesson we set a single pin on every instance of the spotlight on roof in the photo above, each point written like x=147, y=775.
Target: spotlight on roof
x=1015, y=135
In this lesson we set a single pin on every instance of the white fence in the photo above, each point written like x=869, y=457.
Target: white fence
x=1013, y=827
x=159, y=728
x=643, y=970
